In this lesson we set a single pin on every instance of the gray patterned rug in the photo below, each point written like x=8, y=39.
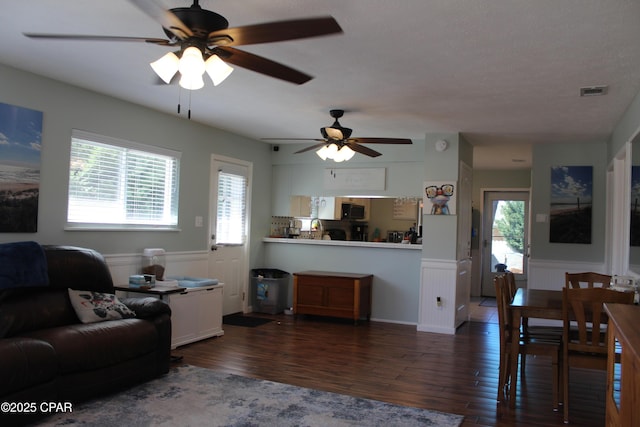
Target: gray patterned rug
x=192, y=396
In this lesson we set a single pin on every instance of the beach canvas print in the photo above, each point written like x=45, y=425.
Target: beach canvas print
x=570, y=210
x=20, y=143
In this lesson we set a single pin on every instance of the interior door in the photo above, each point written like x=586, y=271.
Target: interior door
x=505, y=237
x=229, y=228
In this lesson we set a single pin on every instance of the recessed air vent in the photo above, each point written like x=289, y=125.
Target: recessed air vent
x=593, y=90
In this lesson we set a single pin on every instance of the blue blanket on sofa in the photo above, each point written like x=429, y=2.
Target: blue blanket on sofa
x=22, y=264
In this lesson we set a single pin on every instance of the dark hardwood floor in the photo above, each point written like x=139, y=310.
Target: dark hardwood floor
x=395, y=363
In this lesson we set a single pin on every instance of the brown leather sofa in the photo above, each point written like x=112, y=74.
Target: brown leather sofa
x=47, y=354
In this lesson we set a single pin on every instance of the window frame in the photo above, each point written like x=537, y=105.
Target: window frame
x=77, y=134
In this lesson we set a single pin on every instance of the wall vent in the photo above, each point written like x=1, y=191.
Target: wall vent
x=593, y=90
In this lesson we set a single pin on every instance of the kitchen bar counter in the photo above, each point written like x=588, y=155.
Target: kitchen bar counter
x=349, y=243
x=395, y=268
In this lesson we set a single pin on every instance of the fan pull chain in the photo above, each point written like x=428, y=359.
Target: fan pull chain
x=189, y=113
x=179, y=97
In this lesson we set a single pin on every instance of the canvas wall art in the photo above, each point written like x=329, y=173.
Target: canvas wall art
x=570, y=209
x=439, y=198
x=20, y=143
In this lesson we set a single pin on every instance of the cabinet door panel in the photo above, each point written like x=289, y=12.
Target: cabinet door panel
x=183, y=318
x=310, y=294
x=340, y=297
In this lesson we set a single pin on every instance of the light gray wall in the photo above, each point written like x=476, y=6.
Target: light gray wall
x=544, y=157
x=67, y=107
x=484, y=179
x=626, y=127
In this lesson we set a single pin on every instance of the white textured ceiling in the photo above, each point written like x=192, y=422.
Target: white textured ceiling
x=505, y=73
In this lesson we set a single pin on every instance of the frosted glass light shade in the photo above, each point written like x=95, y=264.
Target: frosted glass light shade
x=322, y=153
x=191, y=67
x=166, y=67
x=193, y=82
x=346, y=153
x=217, y=69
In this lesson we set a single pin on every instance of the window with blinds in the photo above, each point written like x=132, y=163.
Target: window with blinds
x=231, y=212
x=120, y=183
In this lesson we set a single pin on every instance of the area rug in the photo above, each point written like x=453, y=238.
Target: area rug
x=242, y=320
x=192, y=396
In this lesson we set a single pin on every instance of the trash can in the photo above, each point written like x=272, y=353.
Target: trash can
x=269, y=290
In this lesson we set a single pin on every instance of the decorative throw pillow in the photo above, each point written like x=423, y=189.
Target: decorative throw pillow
x=94, y=307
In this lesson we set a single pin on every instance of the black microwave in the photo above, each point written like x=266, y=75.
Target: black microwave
x=352, y=211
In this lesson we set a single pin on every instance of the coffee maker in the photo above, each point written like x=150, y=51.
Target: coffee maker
x=359, y=232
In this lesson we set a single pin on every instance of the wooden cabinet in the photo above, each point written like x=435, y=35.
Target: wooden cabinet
x=623, y=369
x=196, y=313
x=300, y=206
x=322, y=293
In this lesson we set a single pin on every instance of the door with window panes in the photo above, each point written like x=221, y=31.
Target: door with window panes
x=229, y=229
x=505, y=240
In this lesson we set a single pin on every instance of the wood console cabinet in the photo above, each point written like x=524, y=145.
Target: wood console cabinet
x=323, y=293
x=623, y=370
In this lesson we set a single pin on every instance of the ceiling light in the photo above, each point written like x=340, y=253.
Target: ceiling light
x=192, y=67
x=166, y=67
x=217, y=69
x=331, y=151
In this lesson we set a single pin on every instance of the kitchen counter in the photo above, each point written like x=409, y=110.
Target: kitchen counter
x=349, y=243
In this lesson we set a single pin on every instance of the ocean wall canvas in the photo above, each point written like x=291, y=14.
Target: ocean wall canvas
x=570, y=209
x=20, y=145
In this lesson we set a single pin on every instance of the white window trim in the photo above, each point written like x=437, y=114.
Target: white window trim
x=80, y=226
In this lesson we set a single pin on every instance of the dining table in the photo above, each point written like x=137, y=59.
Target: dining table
x=528, y=304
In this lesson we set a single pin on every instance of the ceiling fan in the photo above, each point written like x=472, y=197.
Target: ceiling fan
x=336, y=138
x=209, y=32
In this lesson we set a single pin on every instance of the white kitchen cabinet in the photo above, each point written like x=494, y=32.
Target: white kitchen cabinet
x=327, y=208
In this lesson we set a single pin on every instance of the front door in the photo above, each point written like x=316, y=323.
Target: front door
x=505, y=228
x=229, y=228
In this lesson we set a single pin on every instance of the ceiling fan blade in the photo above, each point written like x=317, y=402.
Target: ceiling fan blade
x=261, y=65
x=279, y=31
x=380, y=140
x=292, y=139
x=164, y=17
x=362, y=149
x=163, y=42
x=313, y=147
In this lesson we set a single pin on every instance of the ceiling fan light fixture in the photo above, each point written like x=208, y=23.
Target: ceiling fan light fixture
x=191, y=67
x=166, y=67
x=346, y=153
x=331, y=151
x=217, y=69
x=322, y=153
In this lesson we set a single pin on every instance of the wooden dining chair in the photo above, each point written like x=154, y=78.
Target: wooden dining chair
x=584, y=325
x=531, y=343
x=586, y=280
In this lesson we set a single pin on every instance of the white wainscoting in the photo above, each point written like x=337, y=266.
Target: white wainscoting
x=437, y=279
x=193, y=264
x=549, y=274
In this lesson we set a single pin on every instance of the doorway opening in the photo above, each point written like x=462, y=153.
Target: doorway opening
x=505, y=237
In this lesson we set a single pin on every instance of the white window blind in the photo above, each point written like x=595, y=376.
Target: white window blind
x=231, y=211
x=115, y=182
